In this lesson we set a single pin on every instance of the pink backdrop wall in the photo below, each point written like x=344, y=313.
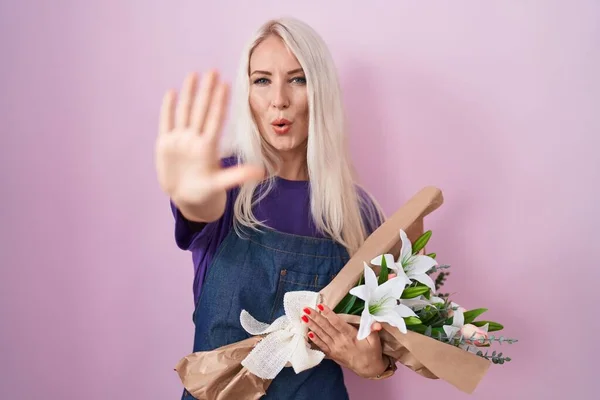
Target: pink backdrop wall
x=496, y=104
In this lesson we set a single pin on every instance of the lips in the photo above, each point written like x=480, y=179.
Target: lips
x=281, y=126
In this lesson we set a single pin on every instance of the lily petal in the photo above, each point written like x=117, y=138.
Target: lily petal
x=420, y=264
x=392, y=318
x=362, y=292
x=389, y=261
x=370, y=278
x=390, y=288
x=402, y=275
x=406, y=250
x=458, y=319
x=404, y=311
x=366, y=320
x=425, y=280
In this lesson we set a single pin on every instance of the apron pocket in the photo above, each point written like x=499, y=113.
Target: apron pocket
x=290, y=280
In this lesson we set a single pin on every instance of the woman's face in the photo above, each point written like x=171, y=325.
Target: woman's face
x=278, y=95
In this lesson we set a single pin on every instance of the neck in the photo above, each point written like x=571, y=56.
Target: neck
x=293, y=166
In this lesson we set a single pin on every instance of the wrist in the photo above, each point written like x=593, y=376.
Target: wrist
x=385, y=369
x=209, y=209
x=383, y=365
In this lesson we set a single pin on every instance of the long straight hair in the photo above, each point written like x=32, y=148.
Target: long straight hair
x=338, y=210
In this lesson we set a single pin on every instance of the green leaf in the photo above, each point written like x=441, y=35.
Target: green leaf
x=420, y=243
x=494, y=326
x=472, y=314
x=432, y=255
x=412, y=321
x=383, y=275
x=358, y=308
x=414, y=291
x=343, y=304
x=426, y=330
x=348, y=307
x=419, y=328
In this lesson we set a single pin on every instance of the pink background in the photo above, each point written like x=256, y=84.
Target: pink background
x=496, y=104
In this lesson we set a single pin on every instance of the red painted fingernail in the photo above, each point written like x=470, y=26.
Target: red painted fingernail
x=311, y=335
x=306, y=310
x=321, y=307
x=304, y=318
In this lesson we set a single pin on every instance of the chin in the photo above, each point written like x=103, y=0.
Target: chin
x=284, y=143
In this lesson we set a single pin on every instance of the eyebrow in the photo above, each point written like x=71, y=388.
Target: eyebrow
x=294, y=71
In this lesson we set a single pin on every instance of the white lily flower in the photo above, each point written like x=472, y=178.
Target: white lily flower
x=409, y=267
x=458, y=320
x=382, y=303
x=415, y=266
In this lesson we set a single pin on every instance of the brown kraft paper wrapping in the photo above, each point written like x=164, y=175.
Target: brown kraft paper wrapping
x=219, y=375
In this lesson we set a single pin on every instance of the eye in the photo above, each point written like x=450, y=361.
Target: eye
x=300, y=80
x=261, y=81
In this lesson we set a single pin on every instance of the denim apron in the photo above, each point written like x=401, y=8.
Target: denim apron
x=253, y=272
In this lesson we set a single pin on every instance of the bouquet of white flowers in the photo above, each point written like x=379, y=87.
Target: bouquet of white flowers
x=404, y=296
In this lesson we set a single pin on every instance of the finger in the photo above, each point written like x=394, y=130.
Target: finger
x=167, y=112
x=313, y=337
x=373, y=339
x=322, y=320
x=336, y=322
x=390, y=276
x=188, y=91
x=203, y=100
x=235, y=176
x=216, y=112
x=320, y=326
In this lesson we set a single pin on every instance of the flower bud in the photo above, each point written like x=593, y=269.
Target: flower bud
x=474, y=335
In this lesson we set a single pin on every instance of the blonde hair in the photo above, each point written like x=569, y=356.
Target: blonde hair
x=338, y=210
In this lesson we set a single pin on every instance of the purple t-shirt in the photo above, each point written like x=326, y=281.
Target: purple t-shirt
x=286, y=208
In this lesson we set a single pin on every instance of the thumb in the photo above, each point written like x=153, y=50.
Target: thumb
x=232, y=176
x=373, y=338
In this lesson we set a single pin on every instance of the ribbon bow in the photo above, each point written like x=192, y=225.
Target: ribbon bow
x=285, y=343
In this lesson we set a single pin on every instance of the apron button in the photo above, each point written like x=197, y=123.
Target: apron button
x=283, y=272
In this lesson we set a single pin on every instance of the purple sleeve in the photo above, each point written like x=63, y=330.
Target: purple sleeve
x=191, y=235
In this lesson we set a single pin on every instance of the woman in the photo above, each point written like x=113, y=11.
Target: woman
x=283, y=214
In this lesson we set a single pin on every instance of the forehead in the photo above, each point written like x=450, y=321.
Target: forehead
x=273, y=54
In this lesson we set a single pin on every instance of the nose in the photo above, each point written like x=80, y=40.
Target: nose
x=281, y=99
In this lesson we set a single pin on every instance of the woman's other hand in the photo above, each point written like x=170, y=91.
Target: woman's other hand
x=338, y=340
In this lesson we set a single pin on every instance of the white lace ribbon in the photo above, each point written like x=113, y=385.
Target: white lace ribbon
x=285, y=343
